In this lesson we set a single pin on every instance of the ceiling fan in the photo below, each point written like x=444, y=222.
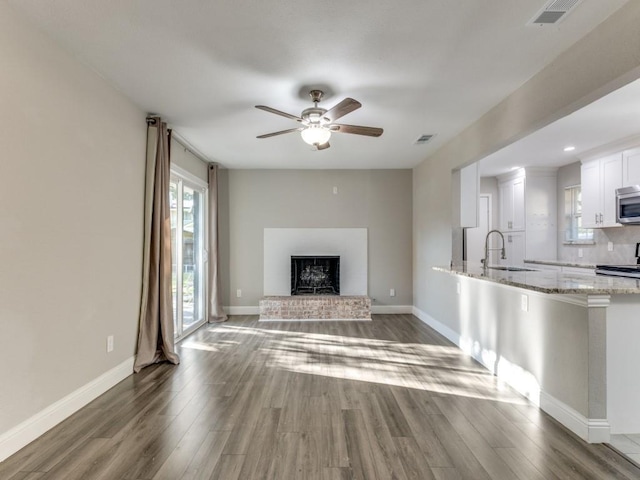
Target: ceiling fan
x=318, y=123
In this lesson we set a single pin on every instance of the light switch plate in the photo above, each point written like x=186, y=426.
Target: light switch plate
x=238, y=293
x=458, y=288
x=392, y=292
x=110, y=343
x=610, y=246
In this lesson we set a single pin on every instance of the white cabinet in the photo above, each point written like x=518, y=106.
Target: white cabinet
x=514, y=245
x=590, y=192
x=512, y=204
x=600, y=179
x=469, y=190
x=528, y=213
x=631, y=167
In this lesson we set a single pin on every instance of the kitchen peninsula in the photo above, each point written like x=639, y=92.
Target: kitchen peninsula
x=566, y=341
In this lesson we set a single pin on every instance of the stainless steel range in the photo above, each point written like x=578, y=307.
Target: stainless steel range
x=632, y=271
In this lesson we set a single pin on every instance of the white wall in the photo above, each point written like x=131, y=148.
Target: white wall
x=378, y=200
x=71, y=213
x=541, y=351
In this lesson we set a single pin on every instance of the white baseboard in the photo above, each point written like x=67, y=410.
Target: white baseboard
x=27, y=431
x=250, y=310
x=391, y=309
x=439, y=327
x=590, y=430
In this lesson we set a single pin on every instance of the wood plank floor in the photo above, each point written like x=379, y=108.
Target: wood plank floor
x=388, y=399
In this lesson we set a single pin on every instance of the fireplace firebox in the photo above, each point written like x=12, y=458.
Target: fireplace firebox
x=315, y=275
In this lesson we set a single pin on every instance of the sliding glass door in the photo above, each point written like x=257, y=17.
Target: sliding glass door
x=188, y=201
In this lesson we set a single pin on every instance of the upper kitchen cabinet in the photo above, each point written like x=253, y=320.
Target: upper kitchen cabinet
x=600, y=178
x=631, y=167
x=512, y=209
x=469, y=190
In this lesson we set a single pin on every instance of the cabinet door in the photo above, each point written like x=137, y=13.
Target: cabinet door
x=631, y=167
x=590, y=183
x=506, y=205
x=469, y=189
x=518, y=216
x=611, y=176
x=514, y=246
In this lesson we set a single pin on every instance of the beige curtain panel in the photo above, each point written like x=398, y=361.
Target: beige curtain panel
x=216, y=313
x=156, y=332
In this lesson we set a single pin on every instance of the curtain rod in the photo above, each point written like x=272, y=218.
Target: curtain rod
x=194, y=151
x=151, y=120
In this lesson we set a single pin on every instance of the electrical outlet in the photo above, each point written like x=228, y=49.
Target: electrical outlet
x=335, y=190
x=524, y=302
x=392, y=292
x=238, y=293
x=110, y=343
x=610, y=246
x=580, y=253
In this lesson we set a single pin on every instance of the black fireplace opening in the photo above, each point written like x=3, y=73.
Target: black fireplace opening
x=315, y=275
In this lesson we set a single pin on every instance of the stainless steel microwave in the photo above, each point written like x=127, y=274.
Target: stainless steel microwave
x=628, y=205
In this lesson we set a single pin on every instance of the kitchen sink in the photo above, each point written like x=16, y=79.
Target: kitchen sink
x=511, y=269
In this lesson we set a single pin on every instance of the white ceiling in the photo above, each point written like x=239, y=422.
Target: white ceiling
x=417, y=66
x=606, y=121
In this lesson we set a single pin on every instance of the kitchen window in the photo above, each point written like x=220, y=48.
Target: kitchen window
x=574, y=232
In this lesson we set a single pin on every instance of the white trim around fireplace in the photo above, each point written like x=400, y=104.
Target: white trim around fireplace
x=348, y=243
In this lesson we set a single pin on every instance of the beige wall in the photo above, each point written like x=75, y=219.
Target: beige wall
x=379, y=200
x=71, y=207
x=605, y=59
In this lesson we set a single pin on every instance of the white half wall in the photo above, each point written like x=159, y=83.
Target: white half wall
x=350, y=244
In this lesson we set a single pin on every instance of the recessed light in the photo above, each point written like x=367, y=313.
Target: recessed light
x=570, y=148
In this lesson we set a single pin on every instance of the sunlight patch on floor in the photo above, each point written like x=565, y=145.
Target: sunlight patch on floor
x=442, y=369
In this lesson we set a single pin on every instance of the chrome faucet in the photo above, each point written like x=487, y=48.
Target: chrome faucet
x=503, y=254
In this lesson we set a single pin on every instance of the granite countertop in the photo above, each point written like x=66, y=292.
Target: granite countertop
x=561, y=263
x=549, y=282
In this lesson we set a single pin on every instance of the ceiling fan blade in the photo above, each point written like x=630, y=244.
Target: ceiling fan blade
x=324, y=146
x=278, y=112
x=281, y=132
x=356, y=129
x=347, y=105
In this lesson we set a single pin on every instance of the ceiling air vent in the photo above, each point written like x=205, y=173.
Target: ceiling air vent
x=424, y=139
x=553, y=12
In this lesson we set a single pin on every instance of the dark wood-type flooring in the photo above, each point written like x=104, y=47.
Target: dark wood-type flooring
x=388, y=399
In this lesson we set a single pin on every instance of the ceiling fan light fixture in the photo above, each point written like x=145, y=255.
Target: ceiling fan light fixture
x=315, y=135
